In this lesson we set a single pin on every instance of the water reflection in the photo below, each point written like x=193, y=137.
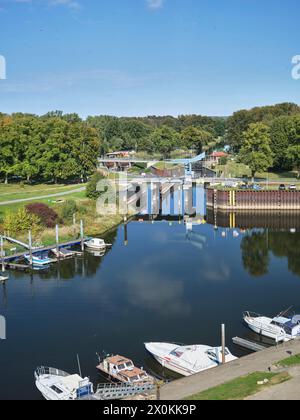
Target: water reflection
x=257, y=247
x=164, y=279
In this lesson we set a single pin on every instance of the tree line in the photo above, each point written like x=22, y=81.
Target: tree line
x=60, y=147
x=155, y=134
x=49, y=148
x=266, y=137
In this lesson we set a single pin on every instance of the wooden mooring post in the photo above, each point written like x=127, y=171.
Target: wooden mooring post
x=74, y=223
x=57, y=240
x=82, y=235
x=30, y=246
x=223, y=345
x=2, y=254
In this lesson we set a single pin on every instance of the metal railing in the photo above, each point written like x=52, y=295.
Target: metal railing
x=119, y=391
x=50, y=371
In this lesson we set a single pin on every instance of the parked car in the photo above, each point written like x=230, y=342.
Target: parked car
x=293, y=187
x=256, y=187
x=282, y=187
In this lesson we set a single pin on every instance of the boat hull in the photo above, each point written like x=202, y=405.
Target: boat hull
x=265, y=333
x=169, y=363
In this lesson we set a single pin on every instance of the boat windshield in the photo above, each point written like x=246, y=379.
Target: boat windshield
x=176, y=353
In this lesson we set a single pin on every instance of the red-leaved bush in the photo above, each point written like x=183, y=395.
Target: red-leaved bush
x=47, y=216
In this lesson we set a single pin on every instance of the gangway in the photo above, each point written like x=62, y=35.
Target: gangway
x=15, y=241
x=121, y=391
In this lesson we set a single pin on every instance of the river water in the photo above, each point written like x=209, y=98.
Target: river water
x=159, y=282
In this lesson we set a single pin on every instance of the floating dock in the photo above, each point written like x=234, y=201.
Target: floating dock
x=11, y=262
x=249, y=345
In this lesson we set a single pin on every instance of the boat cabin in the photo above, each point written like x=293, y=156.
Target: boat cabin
x=291, y=326
x=123, y=369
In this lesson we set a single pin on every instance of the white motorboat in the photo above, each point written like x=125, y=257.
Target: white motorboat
x=188, y=360
x=280, y=328
x=96, y=244
x=56, y=385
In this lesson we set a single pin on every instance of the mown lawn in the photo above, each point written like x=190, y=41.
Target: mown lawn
x=238, y=170
x=241, y=388
x=18, y=192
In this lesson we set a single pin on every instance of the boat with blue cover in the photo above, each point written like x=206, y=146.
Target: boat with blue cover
x=280, y=328
x=39, y=259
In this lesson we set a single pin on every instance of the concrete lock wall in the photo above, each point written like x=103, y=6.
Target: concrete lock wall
x=253, y=200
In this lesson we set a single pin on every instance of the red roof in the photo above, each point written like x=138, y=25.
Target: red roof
x=219, y=154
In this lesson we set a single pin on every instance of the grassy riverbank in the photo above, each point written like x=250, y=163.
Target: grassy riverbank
x=84, y=209
x=234, y=169
x=242, y=388
x=290, y=361
x=11, y=192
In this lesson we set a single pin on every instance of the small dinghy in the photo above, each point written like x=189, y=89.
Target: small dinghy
x=281, y=328
x=56, y=385
x=96, y=244
x=123, y=370
x=188, y=360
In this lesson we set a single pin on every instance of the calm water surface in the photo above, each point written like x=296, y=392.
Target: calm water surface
x=166, y=284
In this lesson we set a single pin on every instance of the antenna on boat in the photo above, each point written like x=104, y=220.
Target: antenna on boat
x=286, y=311
x=79, y=367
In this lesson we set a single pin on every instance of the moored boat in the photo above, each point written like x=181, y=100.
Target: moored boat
x=188, y=360
x=123, y=370
x=39, y=259
x=57, y=385
x=96, y=244
x=280, y=328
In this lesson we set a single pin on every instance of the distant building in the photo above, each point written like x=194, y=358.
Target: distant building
x=215, y=157
x=124, y=154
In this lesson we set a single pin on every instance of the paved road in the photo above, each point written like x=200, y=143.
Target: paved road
x=257, y=362
x=42, y=197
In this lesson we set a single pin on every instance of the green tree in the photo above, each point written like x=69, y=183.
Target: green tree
x=282, y=136
x=165, y=140
x=256, y=151
x=21, y=221
x=196, y=138
x=91, y=189
x=293, y=155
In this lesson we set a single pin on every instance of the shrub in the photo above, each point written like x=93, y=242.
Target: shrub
x=68, y=210
x=91, y=189
x=224, y=160
x=47, y=216
x=21, y=221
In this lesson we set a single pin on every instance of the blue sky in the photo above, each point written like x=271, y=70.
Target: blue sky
x=145, y=57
